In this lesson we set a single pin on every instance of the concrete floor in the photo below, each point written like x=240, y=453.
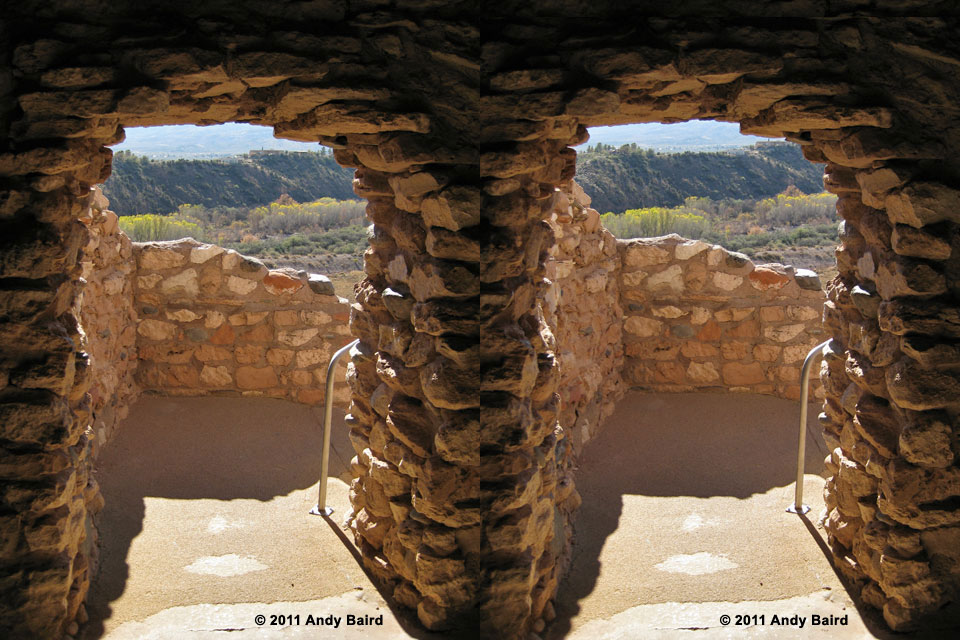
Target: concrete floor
x=683, y=521
x=206, y=526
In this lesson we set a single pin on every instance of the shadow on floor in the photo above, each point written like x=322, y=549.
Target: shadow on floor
x=215, y=448
x=701, y=445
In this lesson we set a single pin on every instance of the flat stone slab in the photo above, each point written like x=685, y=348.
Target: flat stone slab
x=352, y=616
x=787, y=618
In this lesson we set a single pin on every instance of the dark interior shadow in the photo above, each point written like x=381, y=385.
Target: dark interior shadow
x=190, y=448
x=871, y=618
x=698, y=445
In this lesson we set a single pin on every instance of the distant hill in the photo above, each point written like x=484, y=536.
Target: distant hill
x=141, y=185
x=616, y=179
x=627, y=178
x=215, y=141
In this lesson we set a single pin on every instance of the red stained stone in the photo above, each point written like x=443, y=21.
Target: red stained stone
x=709, y=333
x=279, y=283
x=764, y=278
x=260, y=333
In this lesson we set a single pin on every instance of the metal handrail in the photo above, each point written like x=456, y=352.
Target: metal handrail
x=321, y=508
x=798, y=507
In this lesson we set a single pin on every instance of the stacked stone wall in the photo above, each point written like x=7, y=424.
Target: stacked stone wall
x=109, y=318
x=47, y=491
x=211, y=320
x=697, y=316
x=582, y=307
x=892, y=383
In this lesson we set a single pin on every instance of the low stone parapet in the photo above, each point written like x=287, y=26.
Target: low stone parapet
x=212, y=320
x=697, y=316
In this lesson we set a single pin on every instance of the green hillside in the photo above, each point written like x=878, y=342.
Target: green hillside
x=140, y=185
x=630, y=177
x=616, y=179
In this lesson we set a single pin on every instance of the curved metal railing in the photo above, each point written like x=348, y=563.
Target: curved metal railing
x=321, y=508
x=798, y=507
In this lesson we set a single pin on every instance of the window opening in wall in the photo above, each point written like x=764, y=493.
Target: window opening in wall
x=286, y=203
x=704, y=180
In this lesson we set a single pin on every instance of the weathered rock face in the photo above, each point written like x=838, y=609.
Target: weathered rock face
x=458, y=124
x=212, y=320
x=698, y=317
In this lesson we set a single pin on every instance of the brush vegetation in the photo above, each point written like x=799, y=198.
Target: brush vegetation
x=284, y=227
x=759, y=228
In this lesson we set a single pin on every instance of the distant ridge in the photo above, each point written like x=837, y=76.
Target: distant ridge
x=616, y=179
x=233, y=138
x=140, y=185
x=628, y=178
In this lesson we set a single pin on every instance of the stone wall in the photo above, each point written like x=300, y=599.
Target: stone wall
x=109, y=318
x=893, y=388
x=698, y=316
x=47, y=491
x=582, y=307
x=212, y=320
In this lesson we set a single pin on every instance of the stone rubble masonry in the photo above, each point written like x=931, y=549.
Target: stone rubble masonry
x=459, y=125
x=892, y=389
x=180, y=318
x=109, y=318
x=699, y=317
x=463, y=493
x=213, y=321
x=583, y=308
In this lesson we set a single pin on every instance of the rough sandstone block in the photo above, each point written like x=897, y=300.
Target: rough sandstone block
x=737, y=374
x=702, y=373
x=156, y=257
x=256, y=377
x=726, y=281
x=241, y=286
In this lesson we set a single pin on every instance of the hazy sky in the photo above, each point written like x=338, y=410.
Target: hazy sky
x=235, y=138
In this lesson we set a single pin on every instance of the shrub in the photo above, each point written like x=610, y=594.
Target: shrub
x=150, y=227
x=655, y=221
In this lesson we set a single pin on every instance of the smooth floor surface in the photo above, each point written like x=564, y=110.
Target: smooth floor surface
x=684, y=521
x=207, y=526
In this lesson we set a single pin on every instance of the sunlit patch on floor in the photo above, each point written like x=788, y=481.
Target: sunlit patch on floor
x=219, y=524
x=695, y=521
x=696, y=564
x=225, y=566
